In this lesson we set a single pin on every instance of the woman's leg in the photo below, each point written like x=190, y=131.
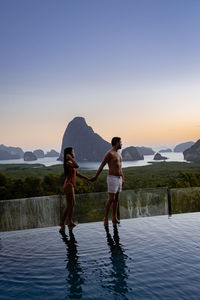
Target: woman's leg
x=69, y=190
x=71, y=209
x=64, y=214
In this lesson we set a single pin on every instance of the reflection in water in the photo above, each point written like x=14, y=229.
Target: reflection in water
x=75, y=278
x=118, y=274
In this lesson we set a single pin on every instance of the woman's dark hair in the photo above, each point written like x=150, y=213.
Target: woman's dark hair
x=67, y=150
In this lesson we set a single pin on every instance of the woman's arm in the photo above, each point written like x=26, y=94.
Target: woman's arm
x=71, y=162
x=81, y=176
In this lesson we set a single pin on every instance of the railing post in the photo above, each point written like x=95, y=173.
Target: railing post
x=169, y=202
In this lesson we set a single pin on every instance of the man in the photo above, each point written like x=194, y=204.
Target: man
x=115, y=178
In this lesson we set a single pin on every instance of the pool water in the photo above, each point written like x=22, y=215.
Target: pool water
x=146, y=258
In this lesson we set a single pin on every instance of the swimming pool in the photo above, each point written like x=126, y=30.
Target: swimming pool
x=146, y=258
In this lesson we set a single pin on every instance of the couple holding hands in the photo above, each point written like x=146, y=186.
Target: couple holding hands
x=115, y=180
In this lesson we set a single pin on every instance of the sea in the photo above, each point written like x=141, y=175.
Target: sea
x=85, y=165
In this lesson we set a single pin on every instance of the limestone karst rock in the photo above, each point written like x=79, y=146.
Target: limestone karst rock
x=88, y=145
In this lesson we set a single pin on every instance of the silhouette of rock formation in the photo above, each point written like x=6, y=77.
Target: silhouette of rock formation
x=87, y=144
x=193, y=153
x=131, y=153
x=183, y=146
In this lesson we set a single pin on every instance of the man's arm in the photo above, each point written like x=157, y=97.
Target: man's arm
x=122, y=177
x=122, y=173
x=104, y=162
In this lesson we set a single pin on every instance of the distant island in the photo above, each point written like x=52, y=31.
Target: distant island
x=52, y=153
x=31, y=156
x=39, y=153
x=158, y=156
x=9, y=153
x=183, y=146
x=131, y=154
x=145, y=150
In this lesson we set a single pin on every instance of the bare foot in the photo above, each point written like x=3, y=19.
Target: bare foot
x=62, y=227
x=71, y=224
x=116, y=221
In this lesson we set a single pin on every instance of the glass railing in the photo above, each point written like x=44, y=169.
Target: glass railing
x=46, y=211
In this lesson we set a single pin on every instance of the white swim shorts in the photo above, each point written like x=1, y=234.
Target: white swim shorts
x=114, y=184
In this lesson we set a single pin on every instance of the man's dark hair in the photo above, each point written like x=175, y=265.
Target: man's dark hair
x=115, y=140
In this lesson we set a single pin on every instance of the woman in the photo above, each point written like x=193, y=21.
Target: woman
x=70, y=166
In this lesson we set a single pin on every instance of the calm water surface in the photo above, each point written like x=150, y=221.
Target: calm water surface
x=49, y=161
x=148, y=258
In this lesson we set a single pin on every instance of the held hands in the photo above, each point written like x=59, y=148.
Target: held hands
x=92, y=179
x=86, y=178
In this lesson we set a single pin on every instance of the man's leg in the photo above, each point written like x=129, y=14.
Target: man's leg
x=114, y=208
x=107, y=209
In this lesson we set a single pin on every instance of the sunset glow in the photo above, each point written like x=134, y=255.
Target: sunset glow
x=130, y=68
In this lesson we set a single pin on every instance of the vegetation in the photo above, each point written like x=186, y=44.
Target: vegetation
x=24, y=180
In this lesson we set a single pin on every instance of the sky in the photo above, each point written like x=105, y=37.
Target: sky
x=131, y=68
